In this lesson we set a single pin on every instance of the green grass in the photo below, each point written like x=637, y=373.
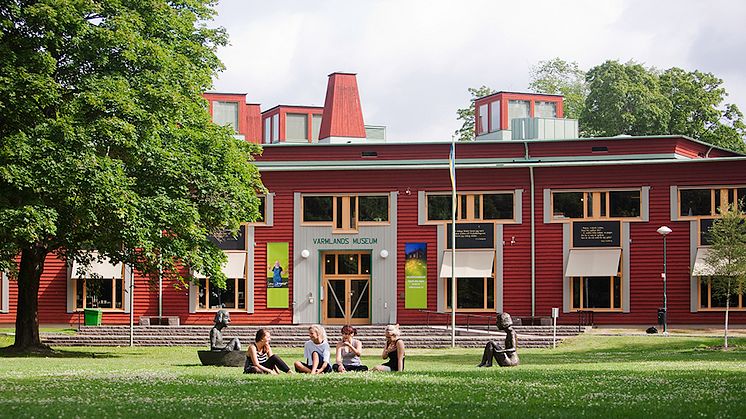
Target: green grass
x=590, y=376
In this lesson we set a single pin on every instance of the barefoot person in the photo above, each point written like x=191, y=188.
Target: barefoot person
x=349, y=350
x=260, y=359
x=316, y=351
x=506, y=356
x=394, y=351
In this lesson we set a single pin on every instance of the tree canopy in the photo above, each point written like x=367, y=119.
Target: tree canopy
x=466, y=132
x=559, y=77
x=107, y=144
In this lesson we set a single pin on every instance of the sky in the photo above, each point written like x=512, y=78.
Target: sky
x=415, y=59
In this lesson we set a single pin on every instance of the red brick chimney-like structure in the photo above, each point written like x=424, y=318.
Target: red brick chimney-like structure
x=343, y=116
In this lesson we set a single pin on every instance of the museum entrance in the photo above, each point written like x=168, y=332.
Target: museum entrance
x=346, y=284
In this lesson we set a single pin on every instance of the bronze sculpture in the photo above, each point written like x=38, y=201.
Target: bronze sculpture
x=222, y=320
x=505, y=356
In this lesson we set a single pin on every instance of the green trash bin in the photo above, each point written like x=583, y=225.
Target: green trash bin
x=93, y=316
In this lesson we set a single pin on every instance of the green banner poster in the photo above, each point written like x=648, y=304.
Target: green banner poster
x=415, y=275
x=277, y=275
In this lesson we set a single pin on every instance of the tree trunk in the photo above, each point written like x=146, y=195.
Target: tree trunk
x=27, y=319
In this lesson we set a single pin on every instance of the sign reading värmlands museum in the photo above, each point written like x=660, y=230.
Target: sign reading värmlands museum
x=596, y=234
x=472, y=236
x=415, y=275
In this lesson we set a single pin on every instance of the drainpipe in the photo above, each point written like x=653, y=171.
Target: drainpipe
x=132, y=307
x=707, y=155
x=533, y=235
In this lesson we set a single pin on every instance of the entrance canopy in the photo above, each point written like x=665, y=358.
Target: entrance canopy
x=593, y=262
x=234, y=268
x=102, y=269
x=469, y=264
x=701, y=267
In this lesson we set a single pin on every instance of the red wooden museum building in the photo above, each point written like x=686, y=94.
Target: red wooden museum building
x=356, y=229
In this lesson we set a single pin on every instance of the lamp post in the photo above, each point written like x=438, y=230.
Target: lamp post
x=664, y=231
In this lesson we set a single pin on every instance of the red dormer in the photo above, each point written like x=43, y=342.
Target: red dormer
x=493, y=113
x=231, y=109
x=291, y=124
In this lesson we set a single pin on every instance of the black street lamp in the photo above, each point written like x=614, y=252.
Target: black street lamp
x=664, y=231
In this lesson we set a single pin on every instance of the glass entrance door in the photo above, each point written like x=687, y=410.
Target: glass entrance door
x=346, y=283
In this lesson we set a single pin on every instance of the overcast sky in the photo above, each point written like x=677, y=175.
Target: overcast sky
x=415, y=59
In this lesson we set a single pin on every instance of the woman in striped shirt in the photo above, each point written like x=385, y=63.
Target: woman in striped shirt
x=260, y=359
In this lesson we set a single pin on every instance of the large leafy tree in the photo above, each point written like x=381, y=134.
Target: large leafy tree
x=106, y=143
x=625, y=99
x=466, y=132
x=559, y=77
x=698, y=109
x=727, y=258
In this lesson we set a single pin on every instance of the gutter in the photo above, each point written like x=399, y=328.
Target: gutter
x=533, y=233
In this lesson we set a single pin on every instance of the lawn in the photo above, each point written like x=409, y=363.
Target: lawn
x=591, y=376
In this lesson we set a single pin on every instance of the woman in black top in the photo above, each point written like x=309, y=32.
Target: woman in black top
x=260, y=359
x=394, y=351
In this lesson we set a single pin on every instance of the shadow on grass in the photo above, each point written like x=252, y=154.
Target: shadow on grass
x=12, y=352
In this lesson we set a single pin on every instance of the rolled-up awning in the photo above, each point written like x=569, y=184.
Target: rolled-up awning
x=593, y=262
x=234, y=268
x=469, y=264
x=102, y=269
x=701, y=267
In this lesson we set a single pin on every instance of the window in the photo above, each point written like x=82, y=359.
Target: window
x=596, y=204
x=472, y=293
x=495, y=116
x=708, y=202
x=597, y=292
x=713, y=300
x=518, y=109
x=225, y=114
x=545, y=109
x=482, y=122
x=296, y=128
x=275, y=128
x=267, y=130
x=345, y=212
x=232, y=297
x=105, y=293
x=315, y=128
x=471, y=206
x=262, y=219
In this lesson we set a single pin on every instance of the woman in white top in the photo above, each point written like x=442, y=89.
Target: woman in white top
x=349, y=350
x=260, y=359
x=316, y=351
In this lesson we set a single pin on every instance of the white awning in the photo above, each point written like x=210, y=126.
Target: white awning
x=593, y=262
x=101, y=269
x=701, y=267
x=234, y=268
x=469, y=264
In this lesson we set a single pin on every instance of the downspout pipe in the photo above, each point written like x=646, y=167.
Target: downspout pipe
x=533, y=233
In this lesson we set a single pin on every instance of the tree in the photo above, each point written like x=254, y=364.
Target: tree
x=698, y=110
x=107, y=143
x=466, y=132
x=727, y=258
x=559, y=77
x=624, y=99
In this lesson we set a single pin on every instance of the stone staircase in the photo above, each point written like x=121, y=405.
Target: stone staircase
x=296, y=335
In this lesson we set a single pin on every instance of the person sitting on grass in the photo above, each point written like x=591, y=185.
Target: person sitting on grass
x=260, y=359
x=394, y=351
x=348, y=352
x=316, y=351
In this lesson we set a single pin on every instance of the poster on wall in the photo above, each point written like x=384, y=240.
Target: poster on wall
x=277, y=275
x=415, y=275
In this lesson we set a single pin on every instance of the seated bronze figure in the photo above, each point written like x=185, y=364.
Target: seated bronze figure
x=506, y=356
x=222, y=320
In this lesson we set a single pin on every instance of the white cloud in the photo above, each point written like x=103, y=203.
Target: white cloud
x=415, y=59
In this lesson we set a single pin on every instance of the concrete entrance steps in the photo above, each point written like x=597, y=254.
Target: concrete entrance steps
x=296, y=335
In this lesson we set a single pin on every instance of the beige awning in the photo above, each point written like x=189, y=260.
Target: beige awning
x=593, y=262
x=102, y=269
x=469, y=264
x=234, y=268
x=701, y=267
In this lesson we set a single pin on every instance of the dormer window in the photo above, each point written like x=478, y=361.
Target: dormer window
x=225, y=114
x=545, y=109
